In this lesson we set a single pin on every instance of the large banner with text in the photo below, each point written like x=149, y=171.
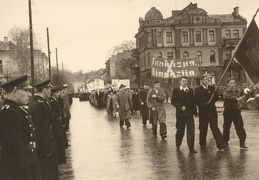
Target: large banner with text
x=165, y=68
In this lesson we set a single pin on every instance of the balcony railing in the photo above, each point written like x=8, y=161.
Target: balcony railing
x=230, y=42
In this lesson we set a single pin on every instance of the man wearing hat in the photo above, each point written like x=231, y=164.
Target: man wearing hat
x=124, y=104
x=43, y=119
x=57, y=124
x=67, y=114
x=17, y=135
x=155, y=101
x=143, y=101
x=208, y=113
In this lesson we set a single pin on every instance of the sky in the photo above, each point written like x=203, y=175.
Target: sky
x=85, y=31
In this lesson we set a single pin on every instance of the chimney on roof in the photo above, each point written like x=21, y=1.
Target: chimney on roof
x=236, y=12
x=6, y=39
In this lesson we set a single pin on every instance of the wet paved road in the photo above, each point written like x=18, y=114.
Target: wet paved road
x=100, y=149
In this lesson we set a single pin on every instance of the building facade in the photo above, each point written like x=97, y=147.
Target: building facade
x=188, y=33
x=15, y=61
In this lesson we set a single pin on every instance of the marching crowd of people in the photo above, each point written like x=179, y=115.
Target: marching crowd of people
x=33, y=130
x=33, y=137
x=189, y=102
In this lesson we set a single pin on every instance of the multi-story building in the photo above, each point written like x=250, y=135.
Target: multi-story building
x=15, y=61
x=188, y=33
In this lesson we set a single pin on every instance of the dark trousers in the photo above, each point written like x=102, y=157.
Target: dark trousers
x=49, y=165
x=144, y=113
x=203, y=126
x=181, y=122
x=233, y=115
x=126, y=121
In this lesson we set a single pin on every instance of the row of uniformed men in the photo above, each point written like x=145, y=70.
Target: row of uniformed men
x=33, y=140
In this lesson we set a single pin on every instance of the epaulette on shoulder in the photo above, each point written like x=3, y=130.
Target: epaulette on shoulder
x=5, y=107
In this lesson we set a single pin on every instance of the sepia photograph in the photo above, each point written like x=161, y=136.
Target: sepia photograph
x=129, y=90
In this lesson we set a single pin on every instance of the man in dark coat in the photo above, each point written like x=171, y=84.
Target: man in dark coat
x=143, y=101
x=183, y=100
x=99, y=98
x=208, y=113
x=43, y=120
x=232, y=113
x=57, y=124
x=124, y=104
x=155, y=101
x=19, y=156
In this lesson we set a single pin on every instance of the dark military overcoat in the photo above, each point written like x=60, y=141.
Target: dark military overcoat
x=19, y=158
x=58, y=130
x=46, y=146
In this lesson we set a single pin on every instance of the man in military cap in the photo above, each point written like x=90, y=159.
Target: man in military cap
x=57, y=124
x=208, y=113
x=67, y=114
x=19, y=156
x=143, y=101
x=43, y=120
x=124, y=104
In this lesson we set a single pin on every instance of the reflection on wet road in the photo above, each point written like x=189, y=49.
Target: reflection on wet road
x=100, y=149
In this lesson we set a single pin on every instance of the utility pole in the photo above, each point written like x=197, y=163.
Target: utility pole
x=62, y=67
x=31, y=46
x=49, y=53
x=57, y=59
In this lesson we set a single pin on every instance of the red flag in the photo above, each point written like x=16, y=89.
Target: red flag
x=247, y=53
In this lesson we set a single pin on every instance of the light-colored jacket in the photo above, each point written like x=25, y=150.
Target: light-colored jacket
x=123, y=99
x=158, y=103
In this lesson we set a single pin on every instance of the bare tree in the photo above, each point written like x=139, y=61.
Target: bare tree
x=21, y=54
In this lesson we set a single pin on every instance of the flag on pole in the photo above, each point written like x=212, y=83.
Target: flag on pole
x=247, y=53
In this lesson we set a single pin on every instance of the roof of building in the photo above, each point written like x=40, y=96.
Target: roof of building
x=182, y=16
x=153, y=14
x=227, y=18
x=6, y=46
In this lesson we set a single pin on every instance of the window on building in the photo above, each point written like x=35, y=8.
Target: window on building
x=228, y=55
x=235, y=33
x=199, y=54
x=198, y=36
x=185, y=54
x=149, y=39
x=211, y=36
x=1, y=66
x=159, y=55
x=149, y=59
x=227, y=34
x=169, y=37
x=159, y=36
x=169, y=55
x=185, y=37
x=212, y=56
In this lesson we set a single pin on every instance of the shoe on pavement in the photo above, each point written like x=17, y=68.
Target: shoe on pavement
x=221, y=148
x=177, y=147
x=243, y=146
x=193, y=151
x=164, y=136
